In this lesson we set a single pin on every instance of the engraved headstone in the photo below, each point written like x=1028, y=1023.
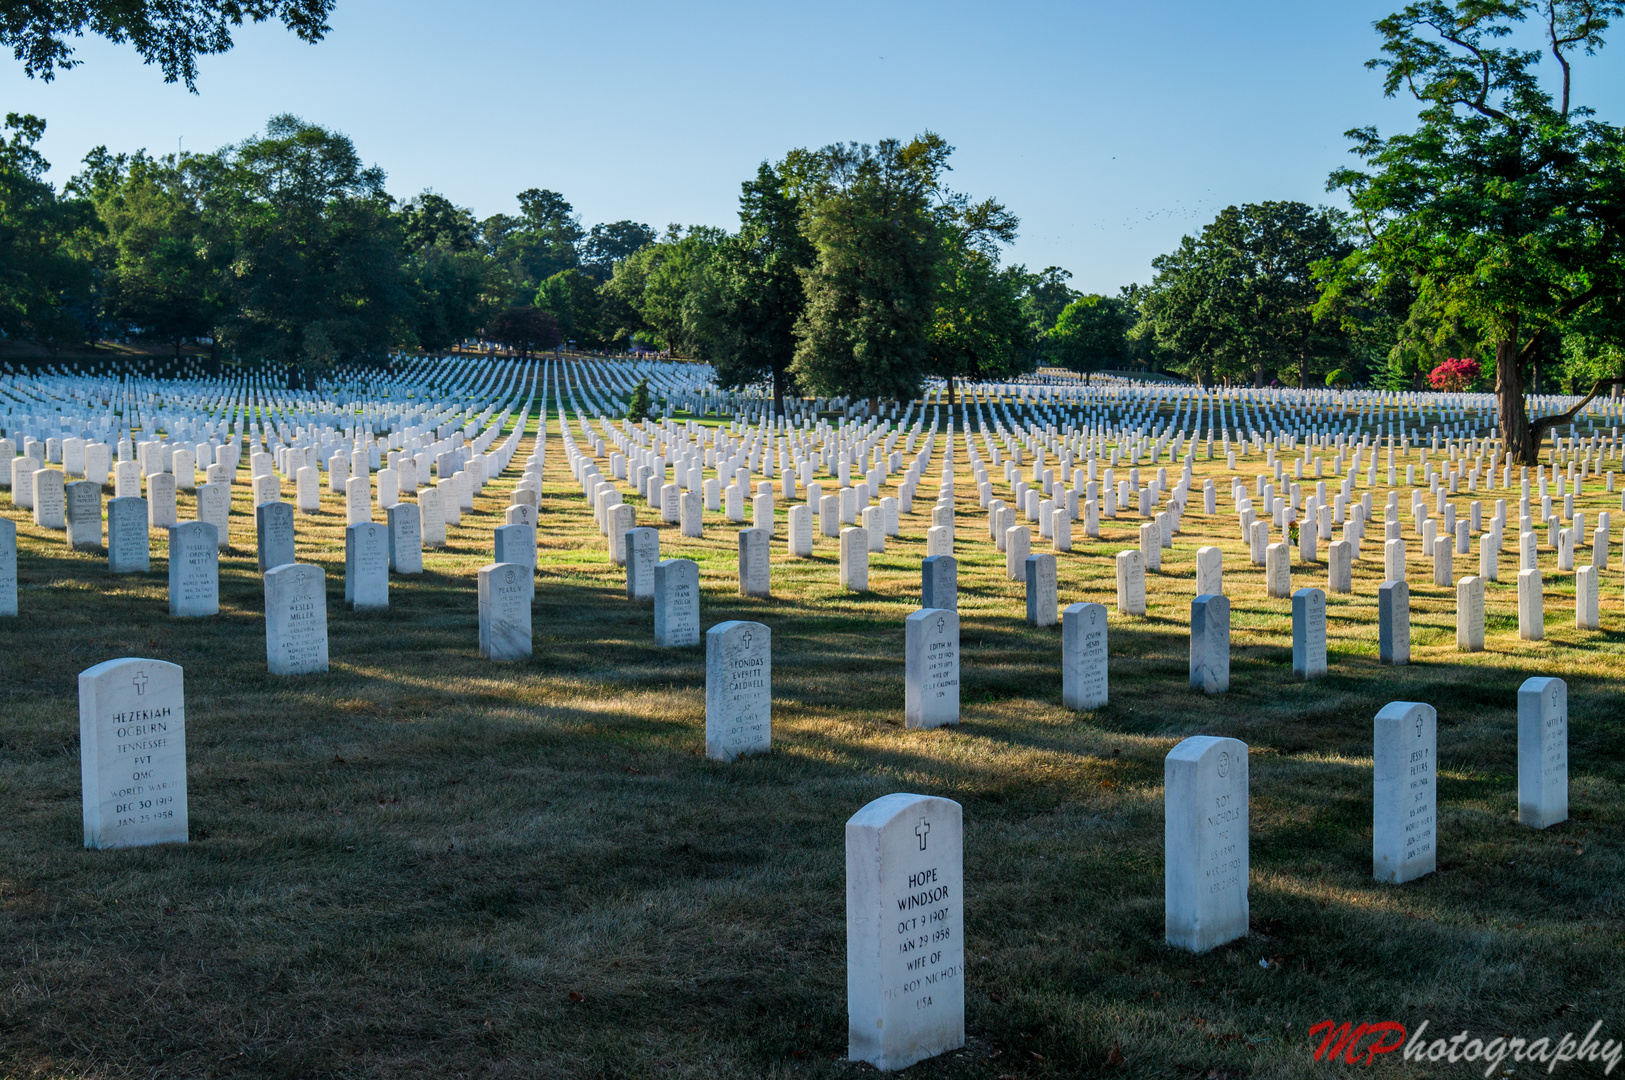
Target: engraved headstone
x=931, y=663
x=194, y=570
x=161, y=500
x=1309, y=634
x=128, y=541
x=754, y=576
x=738, y=689
x=132, y=753
x=1205, y=842
x=801, y=532
x=1470, y=614
x=50, y=499
x=1405, y=793
x=1083, y=656
x=273, y=535
x=905, y=930
x=677, y=603
x=1543, y=752
x=517, y=544
x=366, y=567
x=642, y=553
x=295, y=618
x=405, y=538
x=1130, y=583
x=214, y=506
x=854, y=574
x=505, y=626
x=84, y=515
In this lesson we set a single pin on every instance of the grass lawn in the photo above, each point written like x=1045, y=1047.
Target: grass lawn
x=425, y=865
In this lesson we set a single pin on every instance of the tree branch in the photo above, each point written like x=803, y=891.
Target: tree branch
x=1542, y=424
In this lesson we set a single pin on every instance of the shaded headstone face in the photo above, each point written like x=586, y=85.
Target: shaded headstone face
x=405, y=538
x=754, y=577
x=1083, y=656
x=161, y=500
x=939, y=582
x=1205, y=842
x=677, y=603
x=931, y=651
x=1394, y=623
x=1543, y=752
x=1405, y=792
x=801, y=531
x=505, y=623
x=132, y=753
x=295, y=619
x=194, y=569
x=366, y=567
x=642, y=555
x=738, y=690
x=905, y=923
x=8, y=567
x=1041, y=590
x=128, y=546
x=1309, y=634
x=273, y=526
x=84, y=515
x=1210, y=644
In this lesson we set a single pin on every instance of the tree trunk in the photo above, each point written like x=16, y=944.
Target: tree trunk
x=1303, y=371
x=1517, y=437
x=950, y=393
x=778, y=389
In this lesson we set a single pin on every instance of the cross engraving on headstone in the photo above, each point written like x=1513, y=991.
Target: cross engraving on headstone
x=922, y=830
x=140, y=682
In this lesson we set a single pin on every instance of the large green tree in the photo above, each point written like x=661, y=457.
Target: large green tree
x=45, y=271
x=756, y=294
x=1241, y=296
x=872, y=291
x=452, y=287
x=1505, y=207
x=161, y=271
x=315, y=266
x=1091, y=333
x=662, y=288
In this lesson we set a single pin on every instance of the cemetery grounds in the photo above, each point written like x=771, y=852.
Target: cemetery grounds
x=422, y=864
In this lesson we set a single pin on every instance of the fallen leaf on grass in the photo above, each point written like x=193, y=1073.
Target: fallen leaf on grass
x=577, y=997
x=1115, y=1057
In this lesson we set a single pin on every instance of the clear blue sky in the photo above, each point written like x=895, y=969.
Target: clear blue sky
x=1111, y=129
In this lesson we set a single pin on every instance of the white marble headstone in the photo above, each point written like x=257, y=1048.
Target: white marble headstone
x=1083, y=656
x=905, y=930
x=1205, y=842
x=132, y=753
x=738, y=689
x=931, y=662
x=1405, y=792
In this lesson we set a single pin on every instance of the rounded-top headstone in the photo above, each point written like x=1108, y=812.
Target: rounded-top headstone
x=132, y=753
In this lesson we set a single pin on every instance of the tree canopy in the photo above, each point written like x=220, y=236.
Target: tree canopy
x=171, y=33
x=1505, y=208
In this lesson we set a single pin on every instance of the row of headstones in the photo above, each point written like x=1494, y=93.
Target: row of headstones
x=905, y=884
